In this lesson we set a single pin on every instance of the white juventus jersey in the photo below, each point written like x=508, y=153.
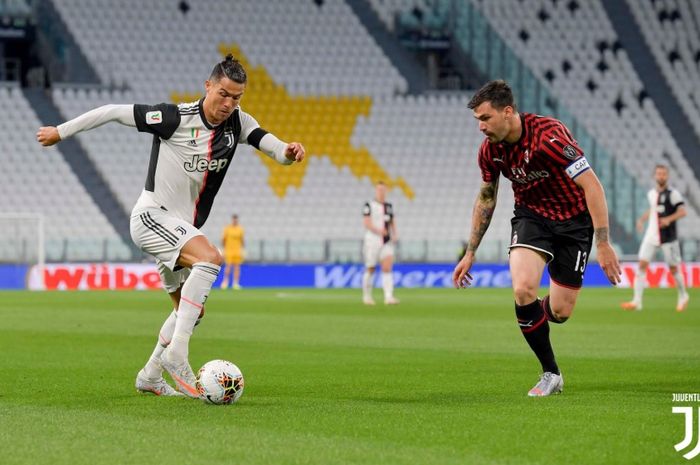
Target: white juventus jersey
x=189, y=158
x=381, y=215
x=662, y=204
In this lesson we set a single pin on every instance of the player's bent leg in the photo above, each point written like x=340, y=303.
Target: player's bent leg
x=560, y=303
x=172, y=282
x=205, y=261
x=526, y=267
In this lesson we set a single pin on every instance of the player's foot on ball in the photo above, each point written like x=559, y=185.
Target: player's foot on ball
x=182, y=375
x=158, y=386
x=391, y=301
x=549, y=384
x=682, y=303
x=368, y=301
x=631, y=306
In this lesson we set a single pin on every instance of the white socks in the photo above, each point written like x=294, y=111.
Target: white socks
x=152, y=368
x=639, y=284
x=388, y=285
x=367, y=285
x=680, y=283
x=194, y=293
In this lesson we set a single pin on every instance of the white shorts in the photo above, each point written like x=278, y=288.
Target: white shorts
x=172, y=280
x=671, y=251
x=160, y=234
x=376, y=251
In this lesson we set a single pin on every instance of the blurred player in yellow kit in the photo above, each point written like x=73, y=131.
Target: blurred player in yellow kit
x=234, y=243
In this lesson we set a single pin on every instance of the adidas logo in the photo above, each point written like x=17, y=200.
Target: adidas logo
x=193, y=143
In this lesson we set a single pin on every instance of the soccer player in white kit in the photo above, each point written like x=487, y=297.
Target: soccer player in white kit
x=666, y=208
x=193, y=145
x=378, y=246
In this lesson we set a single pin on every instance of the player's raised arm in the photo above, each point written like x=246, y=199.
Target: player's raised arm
x=598, y=209
x=50, y=135
x=282, y=152
x=481, y=219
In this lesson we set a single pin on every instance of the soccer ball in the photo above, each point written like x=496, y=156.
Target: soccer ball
x=220, y=382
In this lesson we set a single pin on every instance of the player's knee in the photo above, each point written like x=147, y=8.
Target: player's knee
x=213, y=256
x=561, y=317
x=673, y=269
x=562, y=311
x=524, y=294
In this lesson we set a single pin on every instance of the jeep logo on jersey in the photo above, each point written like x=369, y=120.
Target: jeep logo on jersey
x=202, y=164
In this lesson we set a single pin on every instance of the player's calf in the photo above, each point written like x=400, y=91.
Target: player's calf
x=552, y=315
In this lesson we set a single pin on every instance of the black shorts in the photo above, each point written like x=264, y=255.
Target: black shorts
x=566, y=243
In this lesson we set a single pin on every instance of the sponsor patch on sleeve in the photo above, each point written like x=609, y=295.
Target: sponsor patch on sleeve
x=577, y=167
x=154, y=117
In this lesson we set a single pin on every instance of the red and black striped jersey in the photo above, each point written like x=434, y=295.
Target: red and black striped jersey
x=541, y=166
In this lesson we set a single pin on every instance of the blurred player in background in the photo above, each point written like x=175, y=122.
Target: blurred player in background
x=234, y=242
x=378, y=246
x=559, y=207
x=193, y=145
x=666, y=207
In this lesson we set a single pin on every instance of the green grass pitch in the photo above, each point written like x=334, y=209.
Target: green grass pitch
x=440, y=379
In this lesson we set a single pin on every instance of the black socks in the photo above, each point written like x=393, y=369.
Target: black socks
x=533, y=324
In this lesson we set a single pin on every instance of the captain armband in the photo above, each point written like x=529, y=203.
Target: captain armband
x=577, y=168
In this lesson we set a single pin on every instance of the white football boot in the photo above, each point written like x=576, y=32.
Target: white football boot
x=548, y=384
x=158, y=386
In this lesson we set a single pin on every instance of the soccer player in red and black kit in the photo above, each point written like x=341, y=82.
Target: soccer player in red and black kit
x=559, y=208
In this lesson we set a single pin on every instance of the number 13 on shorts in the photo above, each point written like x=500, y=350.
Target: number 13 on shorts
x=581, y=259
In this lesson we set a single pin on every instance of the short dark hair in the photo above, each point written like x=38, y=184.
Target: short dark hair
x=230, y=68
x=497, y=92
x=660, y=166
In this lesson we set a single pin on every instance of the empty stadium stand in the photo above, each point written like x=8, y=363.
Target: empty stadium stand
x=38, y=180
x=317, y=76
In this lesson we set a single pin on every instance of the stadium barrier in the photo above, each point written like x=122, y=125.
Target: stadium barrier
x=124, y=276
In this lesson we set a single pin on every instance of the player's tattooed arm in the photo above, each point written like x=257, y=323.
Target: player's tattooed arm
x=482, y=214
x=601, y=235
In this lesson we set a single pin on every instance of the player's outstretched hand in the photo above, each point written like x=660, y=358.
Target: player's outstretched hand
x=461, y=276
x=48, y=135
x=607, y=259
x=295, y=152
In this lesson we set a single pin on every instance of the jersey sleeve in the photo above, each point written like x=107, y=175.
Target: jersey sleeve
x=489, y=170
x=161, y=120
x=676, y=198
x=563, y=150
x=366, y=210
x=251, y=132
